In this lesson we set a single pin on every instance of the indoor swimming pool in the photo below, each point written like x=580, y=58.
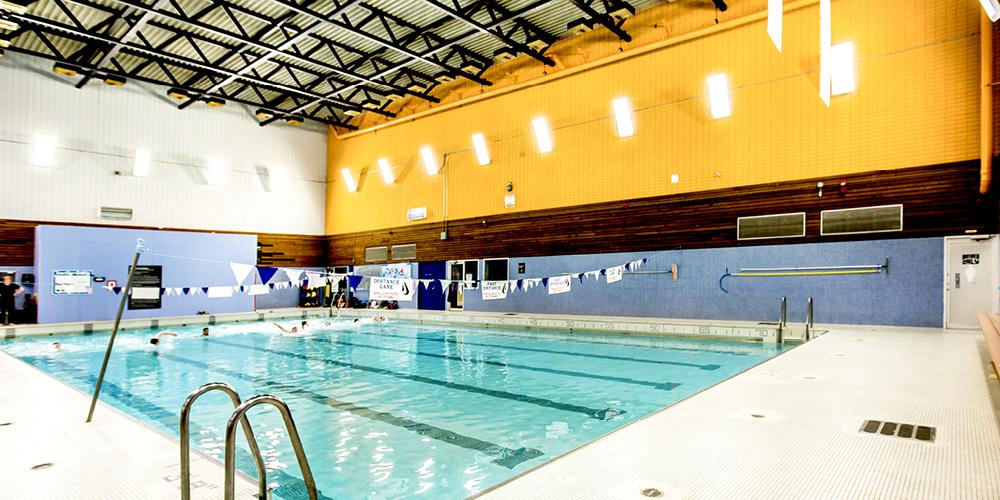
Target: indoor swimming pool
x=395, y=410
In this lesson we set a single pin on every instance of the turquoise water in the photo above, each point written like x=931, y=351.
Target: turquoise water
x=396, y=410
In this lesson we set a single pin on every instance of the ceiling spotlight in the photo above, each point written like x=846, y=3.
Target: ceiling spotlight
x=619, y=11
x=179, y=94
x=13, y=7
x=538, y=42
x=720, y=4
x=416, y=87
x=394, y=96
x=471, y=67
x=215, y=102
x=444, y=77
x=370, y=104
x=580, y=26
x=4, y=43
x=66, y=69
x=294, y=120
x=8, y=25
x=505, y=54
x=117, y=81
x=351, y=112
x=264, y=114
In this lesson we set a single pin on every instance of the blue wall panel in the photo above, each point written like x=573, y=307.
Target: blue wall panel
x=911, y=294
x=197, y=260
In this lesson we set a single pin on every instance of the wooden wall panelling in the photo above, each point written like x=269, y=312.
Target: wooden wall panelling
x=938, y=200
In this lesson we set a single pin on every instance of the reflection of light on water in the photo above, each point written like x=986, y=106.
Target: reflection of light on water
x=424, y=473
x=423, y=487
x=371, y=435
x=383, y=449
x=472, y=470
x=472, y=485
x=556, y=429
x=381, y=471
x=343, y=441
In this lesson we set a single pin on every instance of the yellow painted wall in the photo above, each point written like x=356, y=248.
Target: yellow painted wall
x=916, y=103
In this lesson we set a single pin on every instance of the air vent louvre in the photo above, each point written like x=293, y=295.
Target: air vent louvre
x=404, y=252
x=376, y=254
x=115, y=213
x=771, y=226
x=862, y=220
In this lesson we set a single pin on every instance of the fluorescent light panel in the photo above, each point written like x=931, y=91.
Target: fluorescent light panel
x=481, y=153
x=775, y=11
x=825, y=34
x=383, y=165
x=623, y=117
x=215, y=171
x=141, y=167
x=349, y=180
x=718, y=94
x=277, y=179
x=542, y=134
x=992, y=9
x=429, y=162
x=842, y=68
x=45, y=149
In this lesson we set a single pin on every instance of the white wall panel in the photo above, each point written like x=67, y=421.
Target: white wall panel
x=97, y=130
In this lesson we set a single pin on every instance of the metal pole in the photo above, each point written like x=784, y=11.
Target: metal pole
x=809, y=317
x=114, y=331
x=781, y=321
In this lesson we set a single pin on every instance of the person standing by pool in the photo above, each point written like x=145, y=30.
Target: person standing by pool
x=8, y=291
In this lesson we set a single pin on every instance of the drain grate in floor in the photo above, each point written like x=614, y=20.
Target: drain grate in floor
x=905, y=431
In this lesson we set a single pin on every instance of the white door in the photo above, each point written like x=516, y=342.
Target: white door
x=970, y=279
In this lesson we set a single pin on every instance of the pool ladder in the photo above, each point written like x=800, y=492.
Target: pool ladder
x=782, y=320
x=239, y=416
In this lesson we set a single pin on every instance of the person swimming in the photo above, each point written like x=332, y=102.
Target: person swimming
x=293, y=330
x=204, y=332
x=156, y=340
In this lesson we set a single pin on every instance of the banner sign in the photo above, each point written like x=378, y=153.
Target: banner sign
x=398, y=271
x=493, y=290
x=390, y=289
x=146, y=283
x=559, y=284
x=615, y=273
x=70, y=282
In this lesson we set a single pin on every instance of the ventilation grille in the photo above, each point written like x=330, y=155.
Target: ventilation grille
x=905, y=431
x=862, y=220
x=404, y=252
x=376, y=254
x=115, y=213
x=771, y=226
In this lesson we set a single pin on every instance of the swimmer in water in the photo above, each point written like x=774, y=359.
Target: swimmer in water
x=293, y=330
x=57, y=345
x=204, y=332
x=156, y=340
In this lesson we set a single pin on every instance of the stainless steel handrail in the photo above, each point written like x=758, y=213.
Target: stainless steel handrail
x=186, y=436
x=293, y=435
x=809, y=317
x=781, y=321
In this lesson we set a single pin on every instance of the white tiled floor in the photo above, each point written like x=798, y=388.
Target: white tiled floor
x=112, y=457
x=804, y=442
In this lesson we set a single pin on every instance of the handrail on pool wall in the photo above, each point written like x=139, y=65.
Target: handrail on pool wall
x=293, y=436
x=185, y=423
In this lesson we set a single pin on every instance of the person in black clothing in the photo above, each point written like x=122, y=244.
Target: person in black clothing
x=8, y=291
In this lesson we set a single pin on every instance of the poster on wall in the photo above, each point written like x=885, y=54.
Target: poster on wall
x=398, y=271
x=559, y=284
x=391, y=289
x=615, y=273
x=493, y=290
x=71, y=282
x=146, y=282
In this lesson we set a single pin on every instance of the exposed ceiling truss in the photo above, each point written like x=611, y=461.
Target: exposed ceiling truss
x=322, y=60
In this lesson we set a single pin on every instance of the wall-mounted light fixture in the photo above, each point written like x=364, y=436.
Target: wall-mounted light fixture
x=430, y=163
x=383, y=166
x=215, y=170
x=623, y=117
x=45, y=150
x=141, y=167
x=276, y=179
x=718, y=94
x=481, y=153
x=992, y=9
x=542, y=134
x=842, y=68
x=349, y=180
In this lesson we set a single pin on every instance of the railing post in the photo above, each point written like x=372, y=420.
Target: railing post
x=781, y=321
x=809, y=317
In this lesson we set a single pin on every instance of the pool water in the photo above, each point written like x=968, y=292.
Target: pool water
x=396, y=410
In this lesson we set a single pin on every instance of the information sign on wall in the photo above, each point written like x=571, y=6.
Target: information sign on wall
x=70, y=282
x=146, y=282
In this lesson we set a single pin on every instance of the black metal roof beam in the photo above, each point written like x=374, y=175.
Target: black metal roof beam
x=131, y=33
x=41, y=31
x=604, y=19
x=497, y=33
x=365, y=36
x=524, y=11
x=178, y=60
